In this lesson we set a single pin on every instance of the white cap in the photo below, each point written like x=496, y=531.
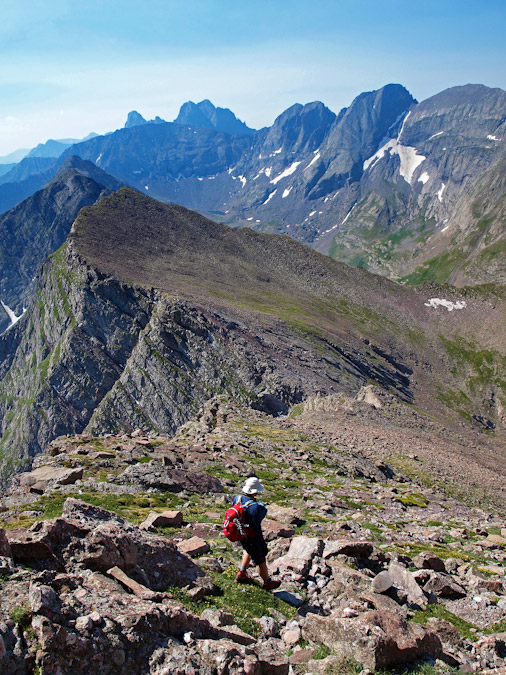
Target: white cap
x=252, y=486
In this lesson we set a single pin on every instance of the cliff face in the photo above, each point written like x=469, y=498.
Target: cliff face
x=149, y=310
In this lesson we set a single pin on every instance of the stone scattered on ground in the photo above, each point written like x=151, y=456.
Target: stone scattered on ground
x=112, y=559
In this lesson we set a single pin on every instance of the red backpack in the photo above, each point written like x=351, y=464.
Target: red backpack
x=235, y=527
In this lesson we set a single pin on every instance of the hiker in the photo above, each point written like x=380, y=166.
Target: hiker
x=255, y=548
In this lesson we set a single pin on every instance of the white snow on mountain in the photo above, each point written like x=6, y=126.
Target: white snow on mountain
x=450, y=306
x=287, y=172
x=286, y=192
x=270, y=196
x=440, y=192
x=424, y=177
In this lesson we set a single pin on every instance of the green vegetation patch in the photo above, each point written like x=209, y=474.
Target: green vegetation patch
x=246, y=602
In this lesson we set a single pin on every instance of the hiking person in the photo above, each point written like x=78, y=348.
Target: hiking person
x=255, y=547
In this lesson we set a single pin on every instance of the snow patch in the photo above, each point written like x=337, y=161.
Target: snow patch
x=99, y=157
x=347, y=215
x=440, y=192
x=287, y=172
x=493, y=138
x=267, y=171
x=315, y=159
x=312, y=213
x=435, y=135
x=146, y=187
x=12, y=316
x=286, y=192
x=424, y=177
x=243, y=180
x=269, y=197
x=276, y=152
x=250, y=218
x=410, y=160
x=200, y=179
x=450, y=306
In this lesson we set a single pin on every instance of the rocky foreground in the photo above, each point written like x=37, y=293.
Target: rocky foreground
x=112, y=558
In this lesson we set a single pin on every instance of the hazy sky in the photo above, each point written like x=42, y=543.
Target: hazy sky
x=69, y=68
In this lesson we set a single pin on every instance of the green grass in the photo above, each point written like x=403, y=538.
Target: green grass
x=440, y=612
x=246, y=602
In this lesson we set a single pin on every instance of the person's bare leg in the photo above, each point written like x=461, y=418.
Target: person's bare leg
x=263, y=571
x=246, y=559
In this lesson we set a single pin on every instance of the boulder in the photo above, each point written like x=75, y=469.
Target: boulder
x=165, y=519
x=349, y=547
x=374, y=639
x=345, y=578
x=155, y=475
x=270, y=656
x=403, y=579
x=444, y=586
x=286, y=514
x=194, y=546
x=273, y=530
x=430, y=561
x=49, y=476
x=382, y=582
x=300, y=555
x=43, y=600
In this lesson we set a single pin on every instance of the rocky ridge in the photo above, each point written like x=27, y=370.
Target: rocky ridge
x=150, y=310
x=377, y=569
x=36, y=227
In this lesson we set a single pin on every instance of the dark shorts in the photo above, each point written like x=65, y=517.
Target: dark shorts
x=257, y=550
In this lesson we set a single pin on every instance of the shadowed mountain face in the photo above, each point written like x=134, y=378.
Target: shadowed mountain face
x=35, y=228
x=149, y=310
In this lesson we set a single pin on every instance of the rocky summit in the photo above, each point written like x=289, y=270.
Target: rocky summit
x=112, y=557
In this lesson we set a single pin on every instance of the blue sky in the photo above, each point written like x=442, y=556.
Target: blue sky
x=70, y=68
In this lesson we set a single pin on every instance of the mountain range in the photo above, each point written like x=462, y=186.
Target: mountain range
x=144, y=310
x=414, y=191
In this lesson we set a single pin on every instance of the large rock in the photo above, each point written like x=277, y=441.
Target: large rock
x=273, y=530
x=300, y=555
x=165, y=519
x=49, y=476
x=151, y=560
x=194, y=546
x=374, y=639
x=429, y=561
x=286, y=514
x=403, y=579
x=444, y=586
x=349, y=547
x=155, y=475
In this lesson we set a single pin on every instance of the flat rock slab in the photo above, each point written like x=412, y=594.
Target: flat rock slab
x=194, y=546
x=165, y=519
x=300, y=554
x=44, y=476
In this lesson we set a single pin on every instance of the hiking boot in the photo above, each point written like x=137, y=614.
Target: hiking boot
x=270, y=585
x=242, y=577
